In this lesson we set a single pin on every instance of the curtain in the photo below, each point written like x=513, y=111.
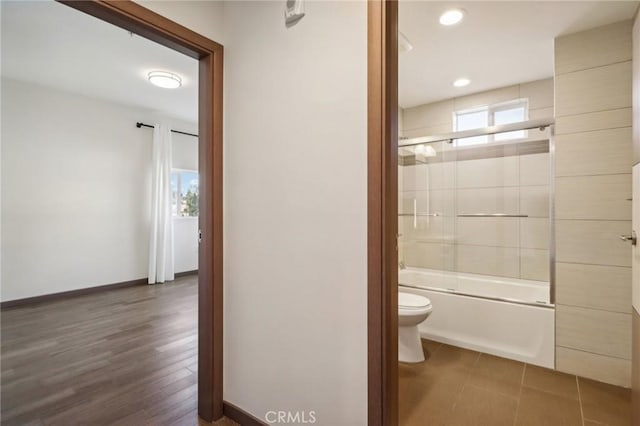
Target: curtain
x=161, y=235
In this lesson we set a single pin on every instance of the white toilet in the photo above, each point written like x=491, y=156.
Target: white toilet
x=412, y=310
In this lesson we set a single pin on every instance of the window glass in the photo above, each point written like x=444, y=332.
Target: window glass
x=472, y=120
x=491, y=115
x=184, y=193
x=508, y=116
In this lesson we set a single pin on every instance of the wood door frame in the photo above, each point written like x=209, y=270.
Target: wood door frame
x=142, y=21
x=382, y=183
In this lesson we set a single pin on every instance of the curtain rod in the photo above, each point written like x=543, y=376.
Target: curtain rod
x=138, y=125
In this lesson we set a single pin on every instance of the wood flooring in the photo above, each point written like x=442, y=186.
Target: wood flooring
x=126, y=356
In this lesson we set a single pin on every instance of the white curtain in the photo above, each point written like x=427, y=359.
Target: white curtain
x=161, y=235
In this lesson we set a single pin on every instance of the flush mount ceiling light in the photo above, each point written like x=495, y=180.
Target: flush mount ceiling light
x=164, y=79
x=451, y=17
x=461, y=82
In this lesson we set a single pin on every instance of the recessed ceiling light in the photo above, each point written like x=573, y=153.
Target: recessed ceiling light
x=164, y=79
x=461, y=82
x=451, y=17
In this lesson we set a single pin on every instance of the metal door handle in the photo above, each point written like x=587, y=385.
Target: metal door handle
x=633, y=238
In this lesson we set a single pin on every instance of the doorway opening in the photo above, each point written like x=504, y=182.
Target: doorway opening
x=197, y=199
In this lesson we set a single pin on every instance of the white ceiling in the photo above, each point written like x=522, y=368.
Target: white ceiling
x=47, y=43
x=497, y=44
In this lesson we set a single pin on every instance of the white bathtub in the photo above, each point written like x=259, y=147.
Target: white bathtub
x=465, y=313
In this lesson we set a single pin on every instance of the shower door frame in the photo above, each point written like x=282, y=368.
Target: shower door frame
x=130, y=16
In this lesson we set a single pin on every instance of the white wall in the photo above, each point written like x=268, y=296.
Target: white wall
x=295, y=222
x=204, y=17
x=75, y=188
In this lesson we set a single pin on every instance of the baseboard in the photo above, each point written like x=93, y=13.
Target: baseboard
x=186, y=273
x=238, y=415
x=82, y=291
x=71, y=293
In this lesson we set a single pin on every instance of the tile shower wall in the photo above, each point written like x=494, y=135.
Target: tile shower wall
x=509, y=247
x=593, y=188
x=508, y=183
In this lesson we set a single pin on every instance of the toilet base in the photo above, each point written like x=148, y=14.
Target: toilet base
x=409, y=344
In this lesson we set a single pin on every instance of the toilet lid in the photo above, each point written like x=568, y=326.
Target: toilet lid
x=408, y=300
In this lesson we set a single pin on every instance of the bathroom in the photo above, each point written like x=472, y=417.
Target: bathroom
x=514, y=212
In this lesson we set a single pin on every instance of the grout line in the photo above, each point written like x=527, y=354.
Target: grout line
x=464, y=385
x=524, y=369
x=595, y=353
x=580, y=400
x=594, y=308
x=592, y=68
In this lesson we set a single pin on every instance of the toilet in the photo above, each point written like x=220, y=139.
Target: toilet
x=412, y=310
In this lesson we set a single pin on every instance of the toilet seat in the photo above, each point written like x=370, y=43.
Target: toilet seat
x=412, y=301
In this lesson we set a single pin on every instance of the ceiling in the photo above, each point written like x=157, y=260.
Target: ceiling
x=47, y=43
x=497, y=44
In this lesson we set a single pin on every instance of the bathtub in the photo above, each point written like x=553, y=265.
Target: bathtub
x=511, y=318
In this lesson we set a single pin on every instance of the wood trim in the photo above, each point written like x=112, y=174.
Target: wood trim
x=240, y=416
x=186, y=273
x=382, y=213
x=82, y=291
x=142, y=21
x=36, y=300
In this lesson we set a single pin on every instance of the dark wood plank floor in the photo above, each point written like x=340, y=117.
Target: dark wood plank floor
x=126, y=356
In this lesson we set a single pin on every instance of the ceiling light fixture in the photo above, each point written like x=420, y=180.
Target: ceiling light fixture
x=451, y=17
x=461, y=82
x=164, y=79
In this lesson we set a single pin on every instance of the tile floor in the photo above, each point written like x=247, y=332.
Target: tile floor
x=461, y=387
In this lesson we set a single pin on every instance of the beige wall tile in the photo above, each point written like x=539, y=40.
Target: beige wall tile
x=488, y=231
x=534, y=264
x=427, y=131
x=595, y=89
x=604, y=197
x=429, y=255
x=534, y=200
x=601, y=120
x=636, y=95
x=539, y=93
x=428, y=115
x=440, y=201
x=593, y=48
x=594, y=153
x=488, y=200
x=593, y=242
x=498, y=261
x=595, y=331
x=537, y=113
x=534, y=169
x=433, y=229
x=488, y=172
x=606, y=369
x=415, y=178
x=423, y=177
x=594, y=286
x=534, y=233
x=489, y=97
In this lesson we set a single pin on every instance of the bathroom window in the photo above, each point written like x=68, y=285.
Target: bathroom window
x=504, y=113
x=184, y=193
